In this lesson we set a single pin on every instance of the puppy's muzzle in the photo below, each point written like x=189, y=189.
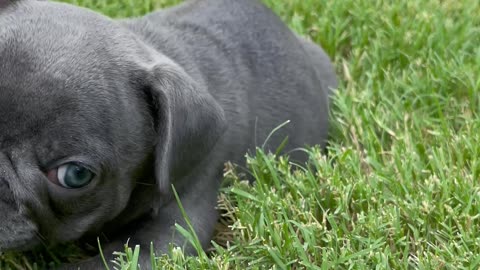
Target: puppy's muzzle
x=16, y=231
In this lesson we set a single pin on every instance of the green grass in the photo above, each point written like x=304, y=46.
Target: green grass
x=400, y=186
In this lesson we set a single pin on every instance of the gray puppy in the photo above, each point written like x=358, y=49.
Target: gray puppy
x=99, y=118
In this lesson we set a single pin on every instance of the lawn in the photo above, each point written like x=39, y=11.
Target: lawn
x=400, y=185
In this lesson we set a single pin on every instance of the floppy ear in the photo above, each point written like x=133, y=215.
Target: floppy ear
x=187, y=118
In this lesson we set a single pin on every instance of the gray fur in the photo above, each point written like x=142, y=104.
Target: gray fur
x=146, y=103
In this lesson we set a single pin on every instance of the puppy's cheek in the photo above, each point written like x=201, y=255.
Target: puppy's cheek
x=101, y=199
x=68, y=203
x=77, y=212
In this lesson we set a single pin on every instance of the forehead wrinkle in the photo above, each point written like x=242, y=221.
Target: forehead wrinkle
x=56, y=114
x=86, y=149
x=64, y=143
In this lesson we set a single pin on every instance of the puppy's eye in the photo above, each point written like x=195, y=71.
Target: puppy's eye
x=72, y=175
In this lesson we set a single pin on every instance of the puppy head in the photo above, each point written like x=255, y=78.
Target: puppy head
x=88, y=112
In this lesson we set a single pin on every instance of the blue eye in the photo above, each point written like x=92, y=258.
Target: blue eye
x=72, y=175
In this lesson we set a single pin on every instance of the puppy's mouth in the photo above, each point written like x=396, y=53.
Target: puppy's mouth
x=17, y=233
x=20, y=245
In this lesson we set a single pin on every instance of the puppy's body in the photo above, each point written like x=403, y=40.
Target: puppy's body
x=155, y=101
x=254, y=66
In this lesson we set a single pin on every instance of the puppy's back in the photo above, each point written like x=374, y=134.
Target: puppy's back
x=258, y=70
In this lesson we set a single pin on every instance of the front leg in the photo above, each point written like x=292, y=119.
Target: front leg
x=199, y=202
